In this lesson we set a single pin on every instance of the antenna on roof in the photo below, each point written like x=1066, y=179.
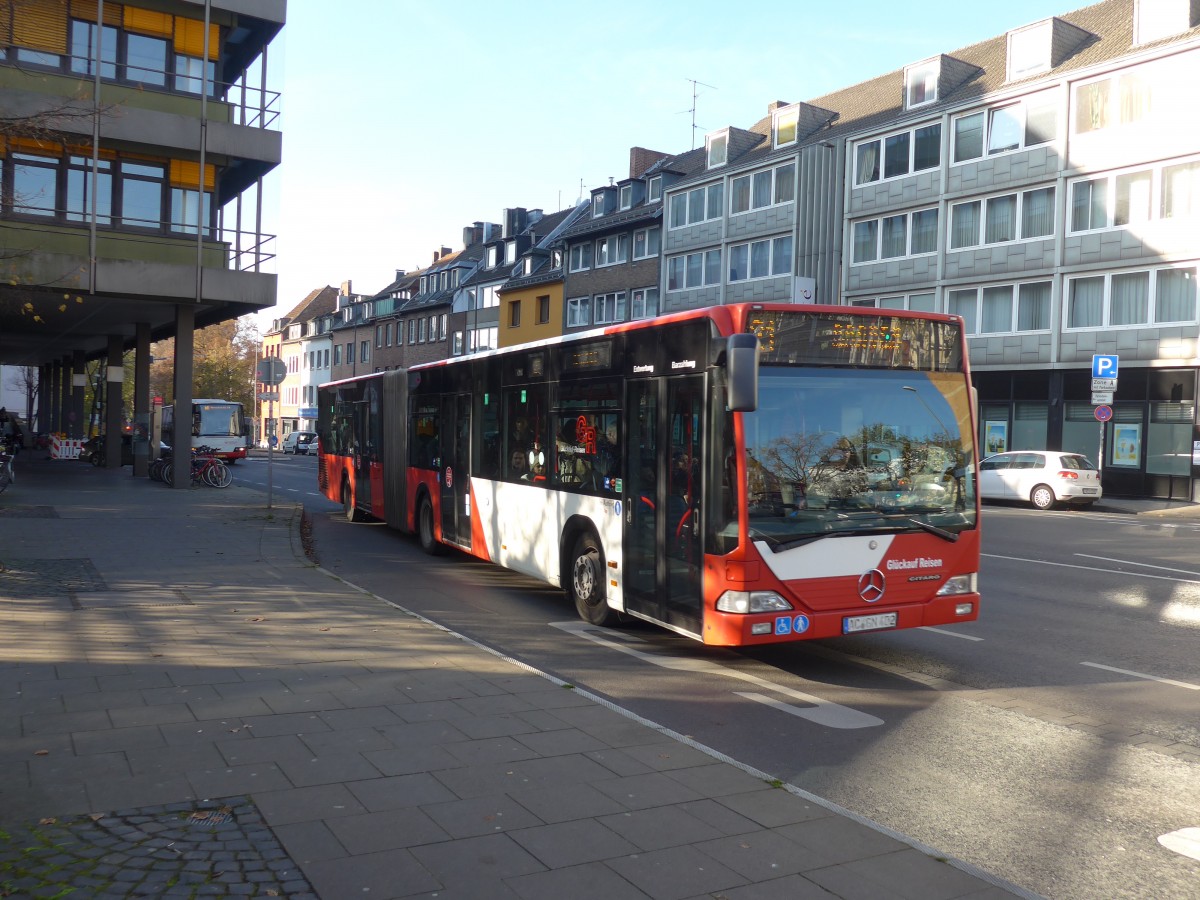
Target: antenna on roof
x=694, y=83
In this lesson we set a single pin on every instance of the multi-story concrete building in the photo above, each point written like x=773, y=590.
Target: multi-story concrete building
x=130, y=147
x=1044, y=185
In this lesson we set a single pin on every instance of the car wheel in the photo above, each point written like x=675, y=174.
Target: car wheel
x=1042, y=496
x=426, y=535
x=585, y=582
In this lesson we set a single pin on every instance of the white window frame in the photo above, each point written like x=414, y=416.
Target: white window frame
x=611, y=250
x=772, y=263
x=1158, y=197
x=597, y=204
x=1019, y=220
x=709, y=191
x=1014, y=311
x=578, y=252
x=649, y=235
x=716, y=149
x=904, y=301
x=1051, y=97
x=908, y=237
x=654, y=189
x=773, y=192
x=579, y=312
x=710, y=270
x=923, y=76
x=643, y=303
x=626, y=195
x=493, y=256
x=609, y=309
x=881, y=163
x=1106, y=313
x=1033, y=44
x=784, y=119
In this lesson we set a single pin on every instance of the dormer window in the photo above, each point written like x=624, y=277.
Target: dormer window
x=717, y=146
x=1029, y=50
x=1154, y=20
x=597, y=205
x=454, y=276
x=445, y=280
x=527, y=266
x=921, y=83
x=785, y=126
x=510, y=252
x=556, y=259
x=626, y=196
x=493, y=254
x=654, y=189
x=424, y=283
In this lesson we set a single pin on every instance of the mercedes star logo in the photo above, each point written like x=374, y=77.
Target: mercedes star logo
x=871, y=585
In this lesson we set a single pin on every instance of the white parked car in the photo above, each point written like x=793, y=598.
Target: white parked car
x=300, y=442
x=1040, y=477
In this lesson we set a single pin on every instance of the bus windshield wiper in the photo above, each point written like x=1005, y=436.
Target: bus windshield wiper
x=951, y=536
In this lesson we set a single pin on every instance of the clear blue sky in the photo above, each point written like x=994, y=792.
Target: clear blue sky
x=405, y=120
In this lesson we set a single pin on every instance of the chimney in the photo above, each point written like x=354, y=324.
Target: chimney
x=400, y=273
x=473, y=234
x=515, y=221
x=641, y=159
x=346, y=288
x=778, y=104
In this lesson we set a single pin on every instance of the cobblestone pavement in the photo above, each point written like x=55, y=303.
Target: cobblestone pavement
x=213, y=848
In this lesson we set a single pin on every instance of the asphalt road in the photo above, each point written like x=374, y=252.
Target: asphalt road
x=1052, y=743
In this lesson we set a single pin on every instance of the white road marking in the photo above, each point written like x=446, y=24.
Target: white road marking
x=965, y=637
x=1185, y=841
x=821, y=712
x=1044, y=562
x=1182, y=684
x=1130, y=562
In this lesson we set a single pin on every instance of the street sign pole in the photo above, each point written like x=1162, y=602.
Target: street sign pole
x=271, y=447
x=271, y=372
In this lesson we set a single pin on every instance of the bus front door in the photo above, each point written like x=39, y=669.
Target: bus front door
x=456, y=469
x=663, y=500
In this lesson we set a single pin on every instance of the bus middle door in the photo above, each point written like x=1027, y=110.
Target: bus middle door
x=455, y=431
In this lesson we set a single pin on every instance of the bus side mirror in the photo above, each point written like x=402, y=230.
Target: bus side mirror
x=741, y=371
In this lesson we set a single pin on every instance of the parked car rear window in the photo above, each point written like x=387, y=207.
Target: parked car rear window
x=1076, y=462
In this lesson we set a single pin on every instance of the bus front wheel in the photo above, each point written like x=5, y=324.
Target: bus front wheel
x=586, y=581
x=425, y=532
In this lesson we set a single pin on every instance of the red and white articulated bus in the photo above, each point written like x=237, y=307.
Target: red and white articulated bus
x=742, y=474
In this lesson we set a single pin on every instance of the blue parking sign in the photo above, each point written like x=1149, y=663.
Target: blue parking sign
x=1104, y=366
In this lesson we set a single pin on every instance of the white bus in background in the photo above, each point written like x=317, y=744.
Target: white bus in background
x=220, y=424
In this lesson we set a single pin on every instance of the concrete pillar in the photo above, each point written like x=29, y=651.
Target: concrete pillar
x=113, y=379
x=181, y=439
x=43, y=399
x=141, y=400
x=67, y=424
x=77, y=418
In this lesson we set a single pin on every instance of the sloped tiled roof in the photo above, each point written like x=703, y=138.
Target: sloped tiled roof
x=318, y=303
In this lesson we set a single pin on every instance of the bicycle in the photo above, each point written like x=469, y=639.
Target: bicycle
x=209, y=469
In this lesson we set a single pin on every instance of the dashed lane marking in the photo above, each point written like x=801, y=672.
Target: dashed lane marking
x=1140, y=565
x=1046, y=562
x=816, y=710
x=965, y=637
x=1182, y=684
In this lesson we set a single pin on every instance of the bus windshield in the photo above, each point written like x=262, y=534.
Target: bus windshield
x=837, y=451
x=218, y=419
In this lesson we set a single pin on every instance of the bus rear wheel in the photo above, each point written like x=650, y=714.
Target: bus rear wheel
x=585, y=583
x=348, y=503
x=425, y=533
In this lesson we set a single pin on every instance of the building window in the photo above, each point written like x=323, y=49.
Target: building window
x=456, y=344
x=785, y=126
x=626, y=196
x=923, y=302
x=442, y=324
x=482, y=339
x=543, y=309
x=597, y=205
x=1181, y=190
x=364, y=351
x=610, y=308
x=422, y=332
x=761, y=259
x=717, y=146
x=514, y=313
x=493, y=256
x=579, y=312
x=654, y=189
x=1126, y=198
x=697, y=205
x=694, y=270
x=906, y=234
x=1026, y=123
x=581, y=257
x=612, y=250
x=349, y=352
x=378, y=336
x=1029, y=50
x=1005, y=217
x=412, y=331
x=1154, y=296
x=920, y=83
x=644, y=303
x=647, y=242
x=761, y=189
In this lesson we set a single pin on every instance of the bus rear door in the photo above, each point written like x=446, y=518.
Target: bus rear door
x=455, y=435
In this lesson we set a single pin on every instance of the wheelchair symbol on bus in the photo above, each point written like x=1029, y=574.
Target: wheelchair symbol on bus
x=788, y=625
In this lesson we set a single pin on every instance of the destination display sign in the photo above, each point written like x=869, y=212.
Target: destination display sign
x=867, y=341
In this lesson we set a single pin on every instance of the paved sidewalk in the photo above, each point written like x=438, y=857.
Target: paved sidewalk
x=188, y=708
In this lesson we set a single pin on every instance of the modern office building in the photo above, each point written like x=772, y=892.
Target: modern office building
x=134, y=145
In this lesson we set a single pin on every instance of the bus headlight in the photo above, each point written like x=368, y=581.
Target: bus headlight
x=751, y=602
x=959, y=584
